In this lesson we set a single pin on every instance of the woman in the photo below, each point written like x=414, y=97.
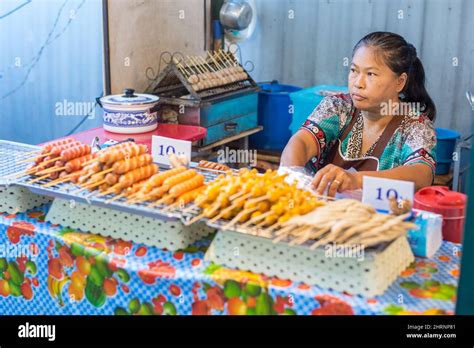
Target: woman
x=383, y=127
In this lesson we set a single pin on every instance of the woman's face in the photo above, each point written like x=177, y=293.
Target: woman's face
x=371, y=82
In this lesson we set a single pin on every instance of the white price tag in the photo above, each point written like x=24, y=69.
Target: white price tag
x=161, y=147
x=377, y=191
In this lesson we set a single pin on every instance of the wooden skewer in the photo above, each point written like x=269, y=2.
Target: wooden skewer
x=92, y=194
x=256, y=219
x=31, y=152
x=60, y=180
x=192, y=69
x=112, y=189
x=19, y=174
x=242, y=195
x=209, y=53
x=224, y=62
x=91, y=186
x=113, y=199
x=95, y=159
x=195, y=219
x=181, y=68
x=190, y=208
x=205, y=64
x=57, y=181
x=50, y=170
x=275, y=226
x=230, y=58
x=305, y=233
x=238, y=216
x=104, y=171
x=32, y=159
x=38, y=179
x=282, y=234
x=198, y=67
x=158, y=202
x=50, y=160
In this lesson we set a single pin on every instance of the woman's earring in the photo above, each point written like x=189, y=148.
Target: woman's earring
x=401, y=96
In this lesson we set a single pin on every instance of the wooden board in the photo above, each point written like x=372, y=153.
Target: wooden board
x=140, y=30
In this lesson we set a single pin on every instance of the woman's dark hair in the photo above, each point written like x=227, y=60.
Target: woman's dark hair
x=401, y=57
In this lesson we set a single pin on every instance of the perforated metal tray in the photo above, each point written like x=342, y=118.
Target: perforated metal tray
x=11, y=153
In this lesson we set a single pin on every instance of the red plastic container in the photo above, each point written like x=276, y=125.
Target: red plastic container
x=451, y=205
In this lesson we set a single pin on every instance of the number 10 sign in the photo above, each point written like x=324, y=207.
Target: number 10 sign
x=161, y=147
x=377, y=191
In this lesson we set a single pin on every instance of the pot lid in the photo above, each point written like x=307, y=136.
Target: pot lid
x=441, y=197
x=129, y=98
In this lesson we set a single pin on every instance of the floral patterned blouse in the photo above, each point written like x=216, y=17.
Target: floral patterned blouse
x=413, y=142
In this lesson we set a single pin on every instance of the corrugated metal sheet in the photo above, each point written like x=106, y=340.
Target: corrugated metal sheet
x=50, y=52
x=310, y=49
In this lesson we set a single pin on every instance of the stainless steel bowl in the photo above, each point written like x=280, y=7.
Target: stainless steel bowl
x=236, y=14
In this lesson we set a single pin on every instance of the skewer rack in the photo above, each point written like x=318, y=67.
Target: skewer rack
x=226, y=110
x=14, y=199
x=242, y=248
x=137, y=222
x=368, y=275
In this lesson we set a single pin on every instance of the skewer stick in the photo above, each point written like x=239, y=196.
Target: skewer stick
x=57, y=181
x=239, y=195
x=257, y=218
x=50, y=170
x=91, y=186
x=190, y=208
x=215, y=61
x=192, y=69
x=20, y=174
x=113, y=199
x=110, y=190
x=224, y=62
x=204, y=64
x=31, y=152
x=32, y=159
x=38, y=179
x=50, y=160
x=105, y=171
x=197, y=65
x=90, y=161
x=237, y=217
x=282, y=234
x=181, y=68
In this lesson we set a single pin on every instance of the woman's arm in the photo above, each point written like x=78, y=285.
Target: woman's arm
x=334, y=179
x=299, y=150
x=420, y=174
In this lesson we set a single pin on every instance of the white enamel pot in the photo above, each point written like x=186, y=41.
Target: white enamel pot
x=130, y=113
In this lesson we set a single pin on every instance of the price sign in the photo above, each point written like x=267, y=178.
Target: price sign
x=377, y=191
x=161, y=147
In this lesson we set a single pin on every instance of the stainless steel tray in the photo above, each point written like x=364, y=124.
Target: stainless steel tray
x=11, y=153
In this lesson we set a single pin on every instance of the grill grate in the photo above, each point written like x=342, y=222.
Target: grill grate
x=11, y=153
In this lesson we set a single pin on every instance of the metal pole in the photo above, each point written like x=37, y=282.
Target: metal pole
x=465, y=298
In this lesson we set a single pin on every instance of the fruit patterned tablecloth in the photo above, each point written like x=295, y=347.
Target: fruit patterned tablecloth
x=49, y=269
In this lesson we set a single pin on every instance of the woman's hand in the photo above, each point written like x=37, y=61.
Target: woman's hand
x=337, y=179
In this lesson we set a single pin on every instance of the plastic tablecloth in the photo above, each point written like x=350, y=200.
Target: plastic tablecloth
x=50, y=269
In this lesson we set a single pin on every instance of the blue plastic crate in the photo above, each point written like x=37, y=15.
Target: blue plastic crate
x=306, y=100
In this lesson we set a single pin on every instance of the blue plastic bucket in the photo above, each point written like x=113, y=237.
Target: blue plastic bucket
x=274, y=115
x=446, y=143
x=306, y=100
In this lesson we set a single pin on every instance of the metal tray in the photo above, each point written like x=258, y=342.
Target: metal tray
x=11, y=153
